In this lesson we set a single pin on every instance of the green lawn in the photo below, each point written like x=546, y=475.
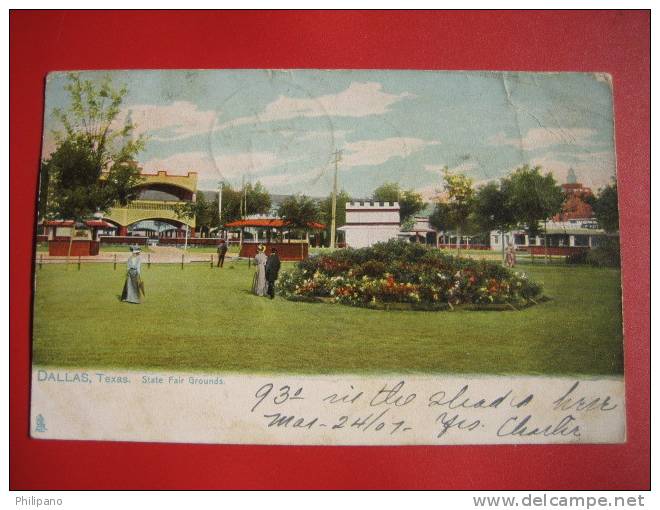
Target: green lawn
x=206, y=320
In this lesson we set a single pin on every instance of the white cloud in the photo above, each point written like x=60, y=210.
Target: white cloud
x=358, y=100
x=377, y=152
x=181, y=118
x=538, y=138
x=338, y=135
x=283, y=181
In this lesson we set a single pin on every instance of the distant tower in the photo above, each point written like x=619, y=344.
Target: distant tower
x=570, y=177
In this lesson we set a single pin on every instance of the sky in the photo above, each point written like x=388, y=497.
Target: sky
x=282, y=128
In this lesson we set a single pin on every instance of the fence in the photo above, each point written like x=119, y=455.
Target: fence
x=286, y=251
x=192, y=241
x=210, y=260
x=464, y=246
x=139, y=240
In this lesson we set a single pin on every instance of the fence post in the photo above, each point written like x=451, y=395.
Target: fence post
x=114, y=264
x=41, y=260
x=211, y=261
x=182, y=261
x=78, y=262
x=149, y=260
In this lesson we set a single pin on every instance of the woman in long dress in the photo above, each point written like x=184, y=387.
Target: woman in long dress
x=259, y=284
x=510, y=256
x=131, y=292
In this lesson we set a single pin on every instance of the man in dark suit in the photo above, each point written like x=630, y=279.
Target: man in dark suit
x=272, y=271
x=222, y=251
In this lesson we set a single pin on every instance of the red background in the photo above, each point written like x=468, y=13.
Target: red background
x=615, y=42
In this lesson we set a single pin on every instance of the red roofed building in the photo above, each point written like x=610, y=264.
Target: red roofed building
x=573, y=230
x=576, y=205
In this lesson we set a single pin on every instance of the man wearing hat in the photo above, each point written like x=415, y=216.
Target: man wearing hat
x=133, y=284
x=272, y=271
x=222, y=251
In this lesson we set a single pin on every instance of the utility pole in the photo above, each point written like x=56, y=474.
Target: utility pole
x=333, y=224
x=222, y=185
x=243, y=209
x=244, y=212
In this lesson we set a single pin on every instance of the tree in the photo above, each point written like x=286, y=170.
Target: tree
x=533, y=198
x=251, y=199
x=410, y=202
x=231, y=204
x=458, y=204
x=439, y=216
x=606, y=208
x=326, y=211
x=257, y=199
x=299, y=211
x=205, y=213
x=493, y=211
x=93, y=165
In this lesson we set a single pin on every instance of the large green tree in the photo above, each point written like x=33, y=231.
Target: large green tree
x=493, y=211
x=300, y=211
x=533, y=198
x=238, y=203
x=606, y=208
x=93, y=165
x=410, y=202
x=257, y=199
x=458, y=203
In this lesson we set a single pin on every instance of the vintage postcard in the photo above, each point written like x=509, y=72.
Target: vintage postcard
x=328, y=257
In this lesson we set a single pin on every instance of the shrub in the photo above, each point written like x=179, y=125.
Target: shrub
x=577, y=258
x=607, y=255
x=400, y=272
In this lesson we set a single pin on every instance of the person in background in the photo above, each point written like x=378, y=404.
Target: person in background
x=259, y=283
x=132, y=285
x=510, y=256
x=222, y=251
x=272, y=271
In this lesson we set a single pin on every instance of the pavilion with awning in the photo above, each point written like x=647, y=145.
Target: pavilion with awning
x=84, y=242
x=62, y=228
x=286, y=251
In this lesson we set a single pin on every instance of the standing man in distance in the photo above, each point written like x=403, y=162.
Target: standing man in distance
x=222, y=251
x=272, y=271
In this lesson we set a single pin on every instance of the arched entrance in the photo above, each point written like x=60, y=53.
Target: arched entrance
x=159, y=228
x=159, y=199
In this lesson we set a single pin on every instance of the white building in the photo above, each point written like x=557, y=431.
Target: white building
x=368, y=223
x=420, y=231
x=569, y=234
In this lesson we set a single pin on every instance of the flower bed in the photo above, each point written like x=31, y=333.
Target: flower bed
x=399, y=275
